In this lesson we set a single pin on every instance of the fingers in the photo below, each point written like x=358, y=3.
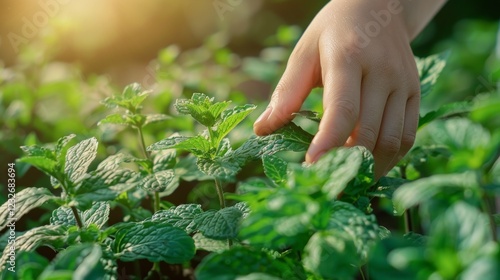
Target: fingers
x=388, y=144
x=410, y=129
x=300, y=76
x=373, y=99
x=341, y=103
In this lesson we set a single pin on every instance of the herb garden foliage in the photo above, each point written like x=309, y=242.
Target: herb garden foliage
x=294, y=221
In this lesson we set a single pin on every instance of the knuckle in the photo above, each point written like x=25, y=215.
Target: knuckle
x=367, y=137
x=389, y=144
x=407, y=141
x=346, y=108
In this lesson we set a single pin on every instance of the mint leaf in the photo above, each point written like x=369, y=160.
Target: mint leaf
x=221, y=224
x=445, y=111
x=23, y=202
x=131, y=98
x=162, y=181
x=46, y=165
x=230, y=118
x=29, y=265
x=78, y=159
x=280, y=218
x=198, y=145
x=275, y=169
x=244, y=261
x=48, y=235
x=362, y=229
x=152, y=118
x=414, y=193
x=201, y=108
x=429, y=69
x=104, y=184
x=164, y=160
x=98, y=215
x=221, y=168
x=37, y=151
x=311, y=115
x=154, y=242
x=208, y=244
x=181, y=216
x=461, y=236
x=82, y=261
x=328, y=255
x=119, y=119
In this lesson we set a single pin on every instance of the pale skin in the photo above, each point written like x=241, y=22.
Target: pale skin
x=371, y=86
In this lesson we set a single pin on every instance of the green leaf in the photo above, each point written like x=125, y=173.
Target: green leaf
x=458, y=134
x=198, y=145
x=78, y=159
x=240, y=261
x=152, y=118
x=201, y=108
x=208, y=244
x=98, y=215
x=462, y=235
x=280, y=218
x=28, y=265
x=275, y=169
x=386, y=187
x=104, y=184
x=48, y=235
x=429, y=69
x=162, y=181
x=22, y=202
x=288, y=138
x=80, y=261
x=221, y=168
x=181, y=216
x=154, y=242
x=164, y=160
x=230, y=118
x=37, y=151
x=46, y=165
x=131, y=98
x=62, y=148
x=328, y=254
x=414, y=193
x=311, y=115
x=115, y=119
x=445, y=110
x=221, y=224
x=361, y=229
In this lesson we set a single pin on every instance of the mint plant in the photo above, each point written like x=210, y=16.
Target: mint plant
x=287, y=220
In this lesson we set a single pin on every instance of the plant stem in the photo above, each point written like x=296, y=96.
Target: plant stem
x=77, y=217
x=408, y=214
x=220, y=193
x=156, y=202
x=485, y=205
x=143, y=144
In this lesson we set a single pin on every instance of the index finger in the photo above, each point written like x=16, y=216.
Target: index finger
x=341, y=104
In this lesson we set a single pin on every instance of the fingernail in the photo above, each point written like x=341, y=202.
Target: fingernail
x=264, y=115
x=314, y=153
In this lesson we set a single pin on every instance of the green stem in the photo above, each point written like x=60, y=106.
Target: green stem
x=156, y=202
x=143, y=144
x=220, y=193
x=77, y=217
x=156, y=195
x=485, y=205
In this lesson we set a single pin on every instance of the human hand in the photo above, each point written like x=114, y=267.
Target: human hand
x=359, y=51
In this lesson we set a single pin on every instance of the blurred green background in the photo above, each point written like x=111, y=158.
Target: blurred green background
x=59, y=58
